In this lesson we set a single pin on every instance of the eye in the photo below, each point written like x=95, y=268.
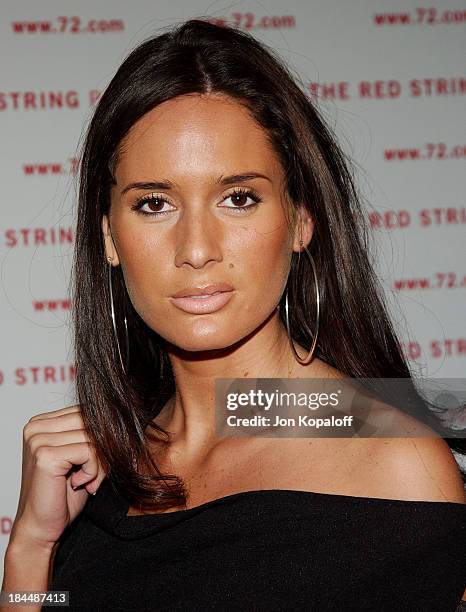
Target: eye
x=155, y=202
x=239, y=196
x=152, y=201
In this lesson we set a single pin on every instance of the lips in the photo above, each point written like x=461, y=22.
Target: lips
x=203, y=300
x=203, y=290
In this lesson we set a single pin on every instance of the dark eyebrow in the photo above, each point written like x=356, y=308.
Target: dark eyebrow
x=227, y=180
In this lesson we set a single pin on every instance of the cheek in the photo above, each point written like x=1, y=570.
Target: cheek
x=143, y=266
x=261, y=260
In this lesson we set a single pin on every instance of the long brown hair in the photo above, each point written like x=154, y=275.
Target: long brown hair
x=356, y=335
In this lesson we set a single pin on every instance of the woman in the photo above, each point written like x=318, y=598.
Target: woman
x=207, y=171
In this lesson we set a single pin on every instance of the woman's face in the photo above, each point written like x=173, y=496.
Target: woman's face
x=194, y=230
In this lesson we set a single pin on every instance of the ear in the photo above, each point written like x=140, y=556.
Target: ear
x=110, y=250
x=304, y=229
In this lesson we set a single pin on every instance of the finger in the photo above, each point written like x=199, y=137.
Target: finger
x=56, y=461
x=86, y=472
x=52, y=413
x=93, y=485
x=89, y=473
x=64, y=422
x=57, y=438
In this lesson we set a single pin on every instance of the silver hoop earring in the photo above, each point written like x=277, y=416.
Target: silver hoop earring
x=307, y=360
x=112, y=313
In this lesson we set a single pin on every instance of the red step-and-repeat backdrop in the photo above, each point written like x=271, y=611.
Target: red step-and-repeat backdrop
x=390, y=79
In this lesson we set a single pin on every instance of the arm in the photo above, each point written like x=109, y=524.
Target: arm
x=51, y=497
x=27, y=567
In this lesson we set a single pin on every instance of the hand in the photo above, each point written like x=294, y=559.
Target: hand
x=54, y=443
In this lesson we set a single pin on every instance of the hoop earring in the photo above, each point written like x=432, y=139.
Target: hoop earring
x=112, y=313
x=308, y=358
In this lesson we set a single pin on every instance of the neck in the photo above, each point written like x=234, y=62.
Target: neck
x=190, y=414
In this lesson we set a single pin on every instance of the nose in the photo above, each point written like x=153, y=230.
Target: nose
x=198, y=238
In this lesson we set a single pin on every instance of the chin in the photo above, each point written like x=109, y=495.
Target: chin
x=198, y=345
x=204, y=335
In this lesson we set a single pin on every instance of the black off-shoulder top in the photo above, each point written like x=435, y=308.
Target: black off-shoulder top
x=265, y=550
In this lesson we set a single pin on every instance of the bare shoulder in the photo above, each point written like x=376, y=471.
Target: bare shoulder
x=420, y=465
x=419, y=468
x=411, y=469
